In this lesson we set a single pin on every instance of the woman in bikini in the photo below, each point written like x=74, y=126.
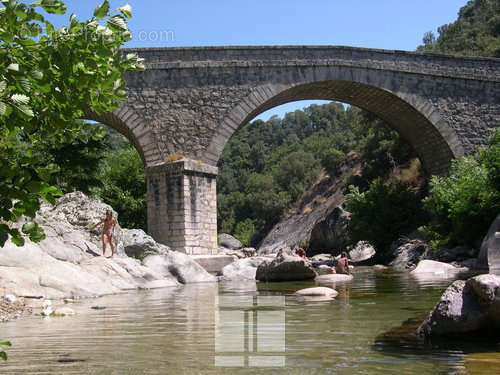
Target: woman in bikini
x=107, y=232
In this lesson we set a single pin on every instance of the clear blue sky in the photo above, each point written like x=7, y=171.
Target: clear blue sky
x=388, y=24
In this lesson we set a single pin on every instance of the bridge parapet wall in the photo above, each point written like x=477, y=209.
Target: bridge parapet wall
x=475, y=68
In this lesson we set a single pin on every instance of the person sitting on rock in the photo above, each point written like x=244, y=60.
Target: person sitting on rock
x=300, y=252
x=343, y=264
x=107, y=232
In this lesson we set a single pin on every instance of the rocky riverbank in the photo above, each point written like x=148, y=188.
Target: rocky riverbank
x=67, y=264
x=13, y=308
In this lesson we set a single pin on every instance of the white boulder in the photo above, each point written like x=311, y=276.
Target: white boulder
x=435, y=268
x=317, y=291
x=361, y=252
x=242, y=269
x=334, y=277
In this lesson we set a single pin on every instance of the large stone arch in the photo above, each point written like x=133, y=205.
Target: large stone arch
x=129, y=124
x=414, y=118
x=193, y=99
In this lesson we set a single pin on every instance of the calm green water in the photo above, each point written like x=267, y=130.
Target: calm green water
x=244, y=329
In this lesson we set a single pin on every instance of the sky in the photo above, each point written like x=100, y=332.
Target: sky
x=385, y=24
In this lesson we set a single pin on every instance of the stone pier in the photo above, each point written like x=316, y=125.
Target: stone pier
x=182, y=208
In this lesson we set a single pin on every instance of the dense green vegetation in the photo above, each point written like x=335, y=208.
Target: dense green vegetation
x=267, y=166
x=466, y=202
x=382, y=213
x=48, y=79
x=77, y=159
x=122, y=185
x=102, y=163
x=476, y=32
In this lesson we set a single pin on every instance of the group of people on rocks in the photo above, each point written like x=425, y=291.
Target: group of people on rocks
x=109, y=224
x=342, y=265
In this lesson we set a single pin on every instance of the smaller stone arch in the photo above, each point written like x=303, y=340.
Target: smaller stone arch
x=414, y=118
x=129, y=124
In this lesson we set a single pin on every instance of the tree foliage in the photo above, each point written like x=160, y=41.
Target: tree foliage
x=331, y=161
x=3, y=354
x=381, y=214
x=77, y=159
x=295, y=172
x=267, y=166
x=476, y=32
x=468, y=200
x=48, y=79
x=123, y=187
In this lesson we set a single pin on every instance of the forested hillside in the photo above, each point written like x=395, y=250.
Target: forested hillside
x=268, y=166
x=476, y=32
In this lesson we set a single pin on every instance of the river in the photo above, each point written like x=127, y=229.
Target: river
x=245, y=328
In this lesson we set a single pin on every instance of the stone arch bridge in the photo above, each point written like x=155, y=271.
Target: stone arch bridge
x=189, y=101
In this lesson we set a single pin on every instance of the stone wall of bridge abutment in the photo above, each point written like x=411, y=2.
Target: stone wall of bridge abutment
x=190, y=101
x=182, y=210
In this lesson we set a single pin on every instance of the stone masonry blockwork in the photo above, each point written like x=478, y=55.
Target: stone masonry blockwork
x=182, y=210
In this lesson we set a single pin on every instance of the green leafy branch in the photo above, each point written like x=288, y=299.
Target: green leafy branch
x=3, y=354
x=50, y=78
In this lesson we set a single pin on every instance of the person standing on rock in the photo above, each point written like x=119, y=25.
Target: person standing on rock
x=107, y=232
x=342, y=264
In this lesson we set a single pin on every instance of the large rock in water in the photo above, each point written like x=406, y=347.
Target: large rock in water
x=330, y=234
x=489, y=255
x=138, y=244
x=285, y=268
x=229, y=242
x=435, y=268
x=242, y=269
x=296, y=227
x=67, y=262
x=363, y=251
x=180, y=265
x=407, y=253
x=471, y=306
x=317, y=291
